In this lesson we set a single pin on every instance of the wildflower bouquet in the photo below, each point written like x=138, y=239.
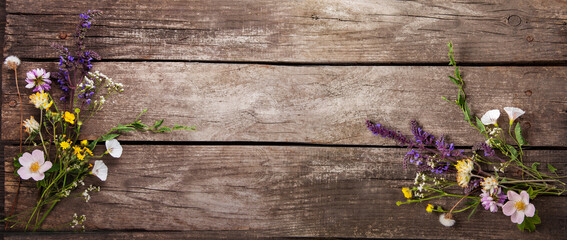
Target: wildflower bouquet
x=493, y=175
x=61, y=159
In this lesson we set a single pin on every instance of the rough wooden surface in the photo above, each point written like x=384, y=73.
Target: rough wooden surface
x=257, y=182
x=277, y=191
x=331, y=31
x=321, y=104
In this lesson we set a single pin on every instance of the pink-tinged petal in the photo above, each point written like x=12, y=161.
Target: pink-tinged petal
x=530, y=210
x=518, y=217
x=38, y=156
x=513, y=196
x=26, y=160
x=46, y=75
x=46, y=166
x=525, y=197
x=38, y=176
x=24, y=173
x=30, y=85
x=30, y=75
x=509, y=208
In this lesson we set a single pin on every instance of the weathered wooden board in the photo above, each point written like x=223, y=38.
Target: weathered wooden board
x=332, y=31
x=277, y=191
x=321, y=104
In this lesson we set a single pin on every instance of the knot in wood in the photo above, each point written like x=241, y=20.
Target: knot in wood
x=12, y=103
x=514, y=20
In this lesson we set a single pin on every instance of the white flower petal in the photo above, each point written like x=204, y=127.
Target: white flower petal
x=114, y=148
x=490, y=117
x=38, y=156
x=26, y=160
x=24, y=173
x=100, y=170
x=513, y=113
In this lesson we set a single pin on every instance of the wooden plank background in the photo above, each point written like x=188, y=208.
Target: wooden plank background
x=279, y=92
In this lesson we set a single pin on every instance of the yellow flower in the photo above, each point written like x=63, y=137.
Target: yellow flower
x=429, y=208
x=69, y=117
x=77, y=149
x=41, y=100
x=84, y=143
x=80, y=156
x=64, y=145
x=407, y=192
x=88, y=151
x=464, y=168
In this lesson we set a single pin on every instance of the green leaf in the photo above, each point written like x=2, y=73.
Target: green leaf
x=519, y=138
x=109, y=136
x=480, y=125
x=457, y=72
x=454, y=80
x=181, y=127
x=164, y=129
x=513, y=152
x=551, y=168
x=54, y=168
x=473, y=211
x=529, y=223
x=158, y=124
x=534, y=166
x=530, y=191
x=460, y=99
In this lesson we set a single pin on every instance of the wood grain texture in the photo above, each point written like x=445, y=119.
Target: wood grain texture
x=320, y=104
x=332, y=31
x=278, y=191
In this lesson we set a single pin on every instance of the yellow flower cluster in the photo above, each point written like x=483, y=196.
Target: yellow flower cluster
x=429, y=208
x=464, y=168
x=81, y=152
x=41, y=100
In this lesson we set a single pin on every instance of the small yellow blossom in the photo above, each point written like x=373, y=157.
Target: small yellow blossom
x=429, y=208
x=84, y=143
x=88, y=151
x=69, y=117
x=41, y=100
x=81, y=156
x=64, y=145
x=76, y=149
x=407, y=192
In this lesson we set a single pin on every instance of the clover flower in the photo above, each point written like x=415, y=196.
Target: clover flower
x=513, y=113
x=489, y=184
x=518, y=206
x=33, y=165
x=464, y=168
x=31, y=125
x=491, y=201
x=41, y=100
x=38, y=79
x=12, y=62
x=491, y=117
x=114, y=148
x=447, y=220
x=100, y=170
